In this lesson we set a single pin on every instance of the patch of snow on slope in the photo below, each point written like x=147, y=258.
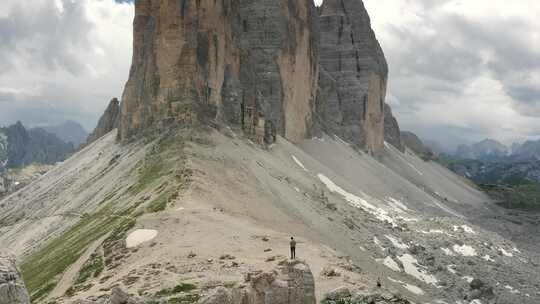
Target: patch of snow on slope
x=390, y=263
x=447, y=251
x=451, y=269
x=411, y=266
x=378, y=243
x=506, y=253
x=469, y=279
x=140, y=236
x=397, y=204
x=488, y=258
x=409, y=287
x=396, y=242
x=464, y=250
x=511, y=289
x=299, y=163
x=465, y=228
x=356, y=201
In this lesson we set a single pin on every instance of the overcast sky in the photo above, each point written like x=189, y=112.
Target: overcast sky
x=460, y=70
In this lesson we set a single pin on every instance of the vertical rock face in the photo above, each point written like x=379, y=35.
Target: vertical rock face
x=245, y=62
x=392, y=133
x=353, y=75
x=12, y=288
x=108, y=121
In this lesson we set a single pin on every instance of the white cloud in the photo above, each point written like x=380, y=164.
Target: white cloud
x=63, y=59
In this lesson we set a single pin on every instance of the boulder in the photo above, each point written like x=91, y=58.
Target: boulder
x=290, y=283
x=12, y=288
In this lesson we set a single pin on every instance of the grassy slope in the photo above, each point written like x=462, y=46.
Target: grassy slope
x=162, y=171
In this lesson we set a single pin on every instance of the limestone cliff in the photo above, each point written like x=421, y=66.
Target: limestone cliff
x=353, y=75
x=12, y=288
x=244, y=62
x=392, y=133
x=108, y=121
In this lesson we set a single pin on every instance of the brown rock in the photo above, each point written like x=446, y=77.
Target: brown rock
x=251, y=63
x=12, y=288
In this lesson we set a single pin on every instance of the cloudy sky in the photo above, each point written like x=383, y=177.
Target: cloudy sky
x=460, y=70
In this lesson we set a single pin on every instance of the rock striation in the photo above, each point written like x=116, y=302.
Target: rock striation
x=291, y=283
x=273, y=67
x=353, y=76
x=12, y=288
x=108, y=121
x=249, y=63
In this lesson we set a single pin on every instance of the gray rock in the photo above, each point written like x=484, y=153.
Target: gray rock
x=12, y=288
x=338, y=293
x=107, y=122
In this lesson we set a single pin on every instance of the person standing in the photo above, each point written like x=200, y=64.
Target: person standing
x=293, y=248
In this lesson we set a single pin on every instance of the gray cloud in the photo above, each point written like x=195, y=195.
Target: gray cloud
x=44, y=38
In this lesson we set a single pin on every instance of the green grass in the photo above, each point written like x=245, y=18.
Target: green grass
x=91, y=269
x=182, y=287
x=523, y=197
x=43, y=269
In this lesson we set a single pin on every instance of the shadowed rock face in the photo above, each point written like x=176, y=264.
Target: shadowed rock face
x=392, y=133
x=245, y=62
x=108, y=121
x=353, y=75
x=12, y=288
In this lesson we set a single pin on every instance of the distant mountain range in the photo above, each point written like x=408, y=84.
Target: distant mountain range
x=69, y=131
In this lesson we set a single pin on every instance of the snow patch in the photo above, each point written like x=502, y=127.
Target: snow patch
x=414, y=289
x=447, y=251
x=464, y=250
x=378, y=243
x=356, y=201
x=451, y=269
x=396, y=242
x=488, y=258
x=397, y=204
x=511, y=289
x=465, y=228
x=469, y=279
x=299, y=163
x=411, y=266
x=506, y=253
x=140, y=236
x=390, y=263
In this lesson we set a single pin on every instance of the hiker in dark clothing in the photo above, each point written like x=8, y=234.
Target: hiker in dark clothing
x=293, y=248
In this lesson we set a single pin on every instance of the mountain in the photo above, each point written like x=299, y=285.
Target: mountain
x=528, y=150
x=69, y=132
x=413, y=142
x=487, y=149
x=108, y=121
x=243, y=124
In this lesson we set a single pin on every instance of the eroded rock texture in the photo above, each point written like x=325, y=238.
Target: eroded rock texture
x=108, y=121
x=353, y=75
x=245, y=62
x=12, y=288
x=291, y=283
x=413, y=142
x=392, y=133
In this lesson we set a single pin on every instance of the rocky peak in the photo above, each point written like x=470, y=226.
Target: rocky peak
x=108, y=121
x=249, y=63
x=12, y=288
x=353, y=75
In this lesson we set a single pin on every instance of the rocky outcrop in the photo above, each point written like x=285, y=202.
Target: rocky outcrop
x=344, y=295
x=392, y=134
x=291, y=283
x=249, y=63
x=411, y=141
x=108, y=121
x=34, y=146
x=12, y=288
x=353, y=75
